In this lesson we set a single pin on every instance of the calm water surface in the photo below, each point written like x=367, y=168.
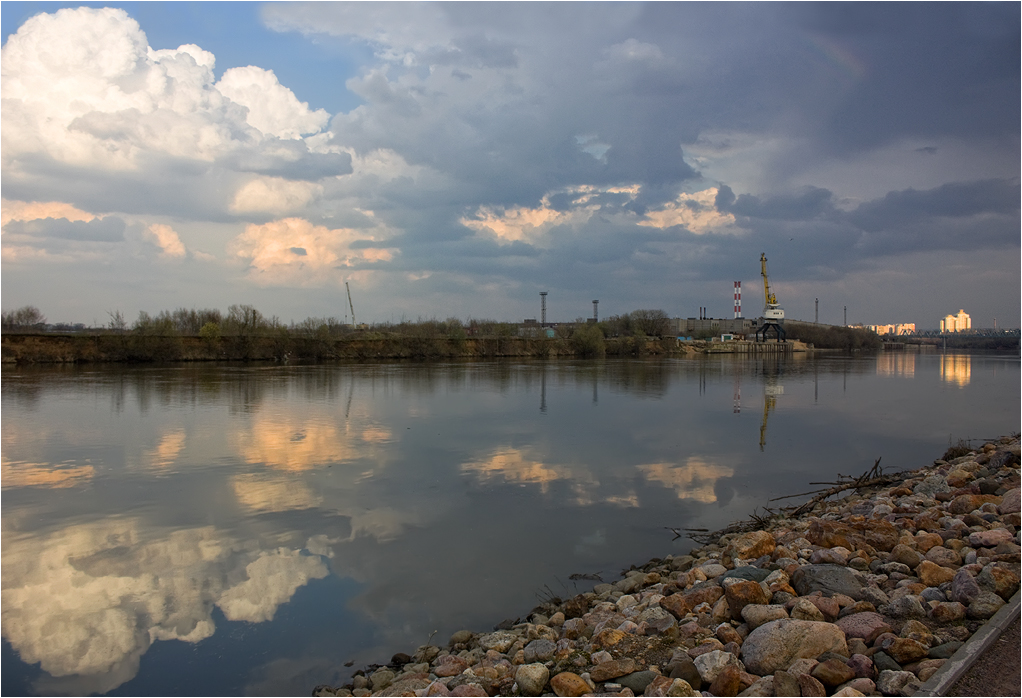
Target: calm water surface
x=249, y=529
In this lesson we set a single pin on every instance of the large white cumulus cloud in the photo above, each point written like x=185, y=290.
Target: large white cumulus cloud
x=83, y=87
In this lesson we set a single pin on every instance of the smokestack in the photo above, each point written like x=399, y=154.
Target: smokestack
x=596, y=315
x=542, y=299
x=738, y=299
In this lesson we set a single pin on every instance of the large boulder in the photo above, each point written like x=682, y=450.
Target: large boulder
x=775, y=645
x=750, y=546
x=830, y=579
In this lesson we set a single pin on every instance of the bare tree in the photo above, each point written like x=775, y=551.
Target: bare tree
x=25, y=317
x=652, y=323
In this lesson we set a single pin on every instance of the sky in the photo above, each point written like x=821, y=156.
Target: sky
x=454, y=160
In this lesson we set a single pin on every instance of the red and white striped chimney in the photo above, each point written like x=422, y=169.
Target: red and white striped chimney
x=738, y=299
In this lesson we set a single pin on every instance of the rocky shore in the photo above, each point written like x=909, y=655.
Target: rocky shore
x=866, y=594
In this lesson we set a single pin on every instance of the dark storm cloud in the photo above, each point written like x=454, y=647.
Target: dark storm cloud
x=811, y=202
x=109, y=229
x=955, y=200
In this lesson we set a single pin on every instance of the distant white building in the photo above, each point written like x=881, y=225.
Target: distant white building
x=956, y=323
x=897, y=329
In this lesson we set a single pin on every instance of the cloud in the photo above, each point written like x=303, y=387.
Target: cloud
x=274, y=196
x=89, y=599
x=164, y=237
x=84, y=93
x=272, y=108
x=108, y=229
x=268, y=250
x=694, y=212
x=34, y=210
x=272, y=579
x=696, y=479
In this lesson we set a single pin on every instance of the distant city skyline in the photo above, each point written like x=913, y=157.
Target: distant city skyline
x=453, y=160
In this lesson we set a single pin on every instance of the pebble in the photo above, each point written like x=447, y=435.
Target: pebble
x=870, y=593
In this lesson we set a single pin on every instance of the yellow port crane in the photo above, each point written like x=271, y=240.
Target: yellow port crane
x=773, y=314
x=771, y=299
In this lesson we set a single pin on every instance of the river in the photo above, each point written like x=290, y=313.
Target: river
x=251, y=529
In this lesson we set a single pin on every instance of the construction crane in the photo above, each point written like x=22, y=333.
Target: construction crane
x=350, y=305
x=773, y=314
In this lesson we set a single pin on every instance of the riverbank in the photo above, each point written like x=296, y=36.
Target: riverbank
x=28, y=348
x=867, y=589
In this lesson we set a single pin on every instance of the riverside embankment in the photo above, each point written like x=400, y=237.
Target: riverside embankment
x=868, y=590
x=26, y=348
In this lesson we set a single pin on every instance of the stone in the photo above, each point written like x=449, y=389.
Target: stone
x=763, y=686
x=1001, y=580
x=988, y=539
x=538, y=651
x=684, y=668
x=612, y=669
x=713, y=570
x=742, y=593
x=450, y=665
x=804, y=609
x=905, y=607
x=750, y=546
x=905, y=555
x=1011, y=503
x=461, y=637
x=728, y=681
x=849, y=691
x=897, y=683
x=637, y=681
x=381, y=678
x=675, y=604
x=467, y=689
x=681, y=688
x=830, y=579
x=862, y=666
x=657, y=620
x=883, y=662
x=810, y=686
x=878, y=534
x=966, y=503
x=945, y=650
x=785, y=684
x=758, y=614
x=932, y=485
x=947, y=612
x=984, y=606
x=607, y=638
x=964, y=588
x=703, y=592
x=833, y=672
x=775, y=645
x=933, y=575
x=712, y=663
x=828, y=556
x=725, y=633
x=904, y=650
x=437, y=690
x=569, y=684
x=747, y=572
x=500, y=640
x=532, y=679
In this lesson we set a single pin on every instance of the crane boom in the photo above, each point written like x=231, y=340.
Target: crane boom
x=770, y=298
x=353, y=324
